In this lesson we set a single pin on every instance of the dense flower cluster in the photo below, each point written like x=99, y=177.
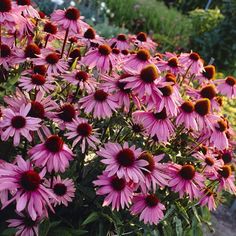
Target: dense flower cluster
x=72, y=84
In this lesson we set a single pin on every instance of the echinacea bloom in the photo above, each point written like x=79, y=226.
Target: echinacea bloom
x=149, y=207
x=123, y=161
x=8, y=17
x=226, y=156
x=208, y=199
x=63, y=189
x=155, y=124
x=37, y=82
x=24, y=225
x=227, y=86
x=102, y=58
x=53, y=153
x=17, y=124
x=143, y=41
x=226, y=179
x=24, y=6
x=218, y=136
x=100, y=103
x=91, y=38
x=5, y=56
x=118, y=191
x=82, y=79
x=207, y=75
x=137, y=61
x=55, y=65
x=187, y=116
x=192, y=61
x=154, y=175
x=120, y=42
x=26, y=184
x=172, y=65
x=69, y=19
x=82, y=132
x=185, y=180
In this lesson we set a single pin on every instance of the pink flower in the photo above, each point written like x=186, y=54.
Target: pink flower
x=83, y=132
x=82, y=79
x=123, y=161
x=69, y=19
x=171, y=65
x=143, y=41
x=119, y=192
x=64, y=190
x=149, y=208
x=26, y=9
x=185, y=179
x=101, y=58
x=227, y=86
x=8, y=17
x=136, y=62
x=6, y=56
x=29, y=192
x=53, y=62
x=154, y=175
x=17, y=124
x=120, y=42
x=90, y=38
x=25, y=225
x=207, y=75
x=192, y=61
x=100, y=103
x=208, y=199
x=187, y=116
x=156, y=124
x=53, y=153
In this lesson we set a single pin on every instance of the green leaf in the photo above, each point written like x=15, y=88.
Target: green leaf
x=8, y=232
x=91, y=218
x=44, y=228
x=178, y=226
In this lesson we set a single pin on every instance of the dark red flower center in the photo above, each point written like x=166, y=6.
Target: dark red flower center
x=60, y=189
x=54, y=144
x=41, y=14
x=161, y=115
x=42, y=70
x=38, y=79
x=73, y=40
x=219, y=101
x=151, y=200
x=149, y=74
x=5, y=5
x=121, y=86
x=208, y=92
x=125, y=52
x=32, y=50
x=75, y=53
x=100, y=95
x=67, y=113
x=18, y=122
x=125, y=157
x=81, y=76
x=121, y=37
x=137, y=128
x=118, y=184
x=104, y=50
x=84, y=129
x=209, y=161
x=37, y=110
x=187, y=172
x=141, y=36
x=143, y=55
x=194, y=56
x=50, y=28
x=115, y=51
x=5, y=51
x=173, y=62
x=24, y=2
x=90, y=33
x=209, y=72
x=221, y=125
x=203, y=149
x=227, y=157
x=147, y=156
x=230, y=80
x=72, y=13
x=202, y=106
x=187, y=107
x=30, y=180
x=167, y=90
x=52, y=58
x=170, y=78
x=225, y=171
